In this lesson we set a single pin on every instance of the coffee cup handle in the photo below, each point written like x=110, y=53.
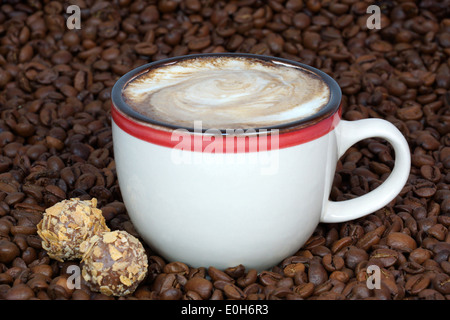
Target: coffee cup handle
x=347, y=134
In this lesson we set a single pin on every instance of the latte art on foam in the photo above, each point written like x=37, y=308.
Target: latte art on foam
x=227, y=92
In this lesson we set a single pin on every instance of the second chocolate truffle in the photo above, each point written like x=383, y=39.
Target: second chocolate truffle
x=114, y=263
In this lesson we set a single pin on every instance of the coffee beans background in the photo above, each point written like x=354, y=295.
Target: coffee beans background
x=55, y=136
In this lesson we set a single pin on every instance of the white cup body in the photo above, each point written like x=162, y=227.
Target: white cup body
x=224, y=209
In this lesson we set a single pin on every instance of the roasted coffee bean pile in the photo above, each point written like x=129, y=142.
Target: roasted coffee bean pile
x=55, y=137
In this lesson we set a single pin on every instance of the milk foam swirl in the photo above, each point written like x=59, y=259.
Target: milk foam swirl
x=227, y=92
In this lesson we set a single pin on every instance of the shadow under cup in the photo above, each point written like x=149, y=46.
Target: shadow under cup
x=254, y=199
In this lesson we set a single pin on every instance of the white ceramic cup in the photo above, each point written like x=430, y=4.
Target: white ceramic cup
x=210, y=207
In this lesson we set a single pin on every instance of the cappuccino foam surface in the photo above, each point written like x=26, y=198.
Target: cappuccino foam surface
x=227, y=92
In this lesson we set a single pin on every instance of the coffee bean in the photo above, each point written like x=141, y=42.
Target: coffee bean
x=234, y=292
x=431, y=173
x=353, y=256
x=412, y=267
x=235, y=272
x=85, y=181
x=438, y=231
x=386, y=257
x=417, y=283
x=427, y=141
x=332, y=263
x=192, y=295
x=445, y=265
x=217, y=274
x=311, y=40
x=176, y=267
x=220, y=284
x=68, y=176
x=43, y=269
x=371, y=238
x=401, y=241
x=81, y=150
x=291, y=269
x=55, y=163
x=5, y=227
x=340, y=244
x=14, y=198
x=218, y=295
x=301, y=20
x=8, y=251
x=248, y=279
x=304, y=290
x=146, y=49
x=269, y=278
x=169, y=294
x=200, y=285
x=441, y=282
x=317, y=273
x=19, y=292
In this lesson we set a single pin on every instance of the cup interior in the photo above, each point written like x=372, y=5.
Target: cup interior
x=329, y=109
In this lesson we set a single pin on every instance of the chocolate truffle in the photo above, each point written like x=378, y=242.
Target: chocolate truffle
x=67, y=224
x=114, y=263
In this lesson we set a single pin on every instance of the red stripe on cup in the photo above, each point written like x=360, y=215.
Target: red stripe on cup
x=182, y=139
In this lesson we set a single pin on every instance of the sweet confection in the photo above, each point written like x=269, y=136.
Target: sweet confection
x=114, y=263
x=67, y=224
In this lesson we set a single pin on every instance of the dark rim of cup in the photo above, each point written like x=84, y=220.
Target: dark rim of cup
x=329, y=109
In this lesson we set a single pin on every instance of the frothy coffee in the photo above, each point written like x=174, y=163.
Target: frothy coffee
x=227, y=92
